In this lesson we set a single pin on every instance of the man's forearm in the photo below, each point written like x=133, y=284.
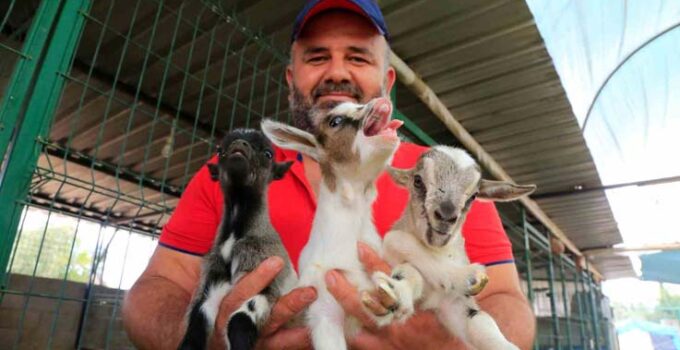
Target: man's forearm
x=514, y=317
x=153, y=313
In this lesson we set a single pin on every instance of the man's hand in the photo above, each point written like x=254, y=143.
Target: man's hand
x=422, y=331
x=273, y=335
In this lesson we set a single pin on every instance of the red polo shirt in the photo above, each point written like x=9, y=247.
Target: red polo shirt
x=193, y=225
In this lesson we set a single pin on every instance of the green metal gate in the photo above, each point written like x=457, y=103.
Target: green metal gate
x=107, y=109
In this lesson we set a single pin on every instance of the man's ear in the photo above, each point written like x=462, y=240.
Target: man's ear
x=400, y=176
x=286, y=136
x=502, y=191
x=280, y=169
x=214, y=170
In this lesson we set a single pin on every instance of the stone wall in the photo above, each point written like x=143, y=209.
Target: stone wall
x=54, y=314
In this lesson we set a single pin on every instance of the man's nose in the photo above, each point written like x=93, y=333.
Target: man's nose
x=337, y=71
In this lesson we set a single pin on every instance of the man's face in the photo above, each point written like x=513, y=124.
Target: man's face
x=339, y=56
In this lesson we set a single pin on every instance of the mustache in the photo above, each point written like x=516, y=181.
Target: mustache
x=345, y=87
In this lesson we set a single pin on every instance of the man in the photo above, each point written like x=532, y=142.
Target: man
x=339, y=53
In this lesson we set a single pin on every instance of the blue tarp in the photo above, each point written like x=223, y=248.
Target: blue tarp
x=663, y=337
x=661, y=267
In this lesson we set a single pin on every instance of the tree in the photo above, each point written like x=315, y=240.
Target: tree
x=50, y=250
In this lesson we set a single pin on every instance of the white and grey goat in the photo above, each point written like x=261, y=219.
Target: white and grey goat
x=427, y=248
x=245, y=237
x=353, y=144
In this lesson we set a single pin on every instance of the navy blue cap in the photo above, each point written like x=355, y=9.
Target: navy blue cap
x=366, y=8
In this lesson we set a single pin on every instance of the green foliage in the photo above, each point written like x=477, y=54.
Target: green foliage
x=53, y=246
x=668, y=307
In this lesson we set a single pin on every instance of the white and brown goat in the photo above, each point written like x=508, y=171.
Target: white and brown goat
x=427, y=248
x=353, y=144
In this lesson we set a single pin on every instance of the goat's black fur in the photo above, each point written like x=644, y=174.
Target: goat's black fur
x=245, y=238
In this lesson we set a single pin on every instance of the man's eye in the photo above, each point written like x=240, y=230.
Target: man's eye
x=316, y=59
x=335, y=122
x=268, y=154
x=358, y=59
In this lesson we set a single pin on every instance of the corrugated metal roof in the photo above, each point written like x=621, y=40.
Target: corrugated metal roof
x=484, y=59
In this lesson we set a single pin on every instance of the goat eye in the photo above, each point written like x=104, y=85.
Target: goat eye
x=418, y=181
x=268, y=154
x=335, y=121
x=470, y=200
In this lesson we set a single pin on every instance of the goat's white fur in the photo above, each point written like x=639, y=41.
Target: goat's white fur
x=343, y=217
x=439, y=278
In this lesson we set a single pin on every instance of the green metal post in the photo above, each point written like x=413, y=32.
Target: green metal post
x=527, y=256
x=553, y=305
x=410, y=125
x=579, y=303
x=565, y=302
x=593, y=307
x=31, y=107
x=22, y=80
x=588, y=308
x=606, y=323
x=527, y=260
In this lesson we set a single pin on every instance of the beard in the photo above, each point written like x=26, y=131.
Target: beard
x=301, y=106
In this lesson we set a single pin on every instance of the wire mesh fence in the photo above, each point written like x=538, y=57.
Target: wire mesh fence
x=108, y=108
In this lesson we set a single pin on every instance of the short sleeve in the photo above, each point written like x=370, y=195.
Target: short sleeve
x=193, y=225
x=485, y=239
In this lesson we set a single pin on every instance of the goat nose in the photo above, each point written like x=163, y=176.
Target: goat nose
x=446, y=212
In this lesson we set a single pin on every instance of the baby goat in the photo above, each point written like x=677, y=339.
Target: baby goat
x=353, y=144
x=428, y=248
x=245, y=238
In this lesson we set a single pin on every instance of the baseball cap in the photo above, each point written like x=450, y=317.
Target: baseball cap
x=366, y=8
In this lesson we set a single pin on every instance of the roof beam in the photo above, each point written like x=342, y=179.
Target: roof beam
x=631, y=249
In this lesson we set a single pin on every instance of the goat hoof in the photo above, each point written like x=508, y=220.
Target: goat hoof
x=478, y=282
x=387, y=297
x=373, y=305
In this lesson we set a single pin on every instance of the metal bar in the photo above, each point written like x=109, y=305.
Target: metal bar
x=409, y=124
x=582, y=329
x=553, y=304
x=18, y=89
x=527, y=257
x=593, y=308
x=663, y=180
x=528, y=261
x=37, y=110
x=620, y=64
x=642, y=248
x=40, y=295
x=565, y=301
x=109, y=169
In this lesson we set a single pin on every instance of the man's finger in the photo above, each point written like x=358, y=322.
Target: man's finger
x=367, y=341
x=293, y=339
x=250, y=285
x=371, y=260
x=348, y=297
x=288, y=306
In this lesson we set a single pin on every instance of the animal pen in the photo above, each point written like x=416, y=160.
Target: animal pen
x=109, y=107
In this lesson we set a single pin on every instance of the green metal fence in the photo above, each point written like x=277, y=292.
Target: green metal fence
x=107, y=108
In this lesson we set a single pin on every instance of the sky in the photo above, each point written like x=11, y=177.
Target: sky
x=619, y=63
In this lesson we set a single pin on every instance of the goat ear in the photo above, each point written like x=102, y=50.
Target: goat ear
x=214, y=170
x=401, y=176
x=280, y=169
x=502, y=191
x=286, y=136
